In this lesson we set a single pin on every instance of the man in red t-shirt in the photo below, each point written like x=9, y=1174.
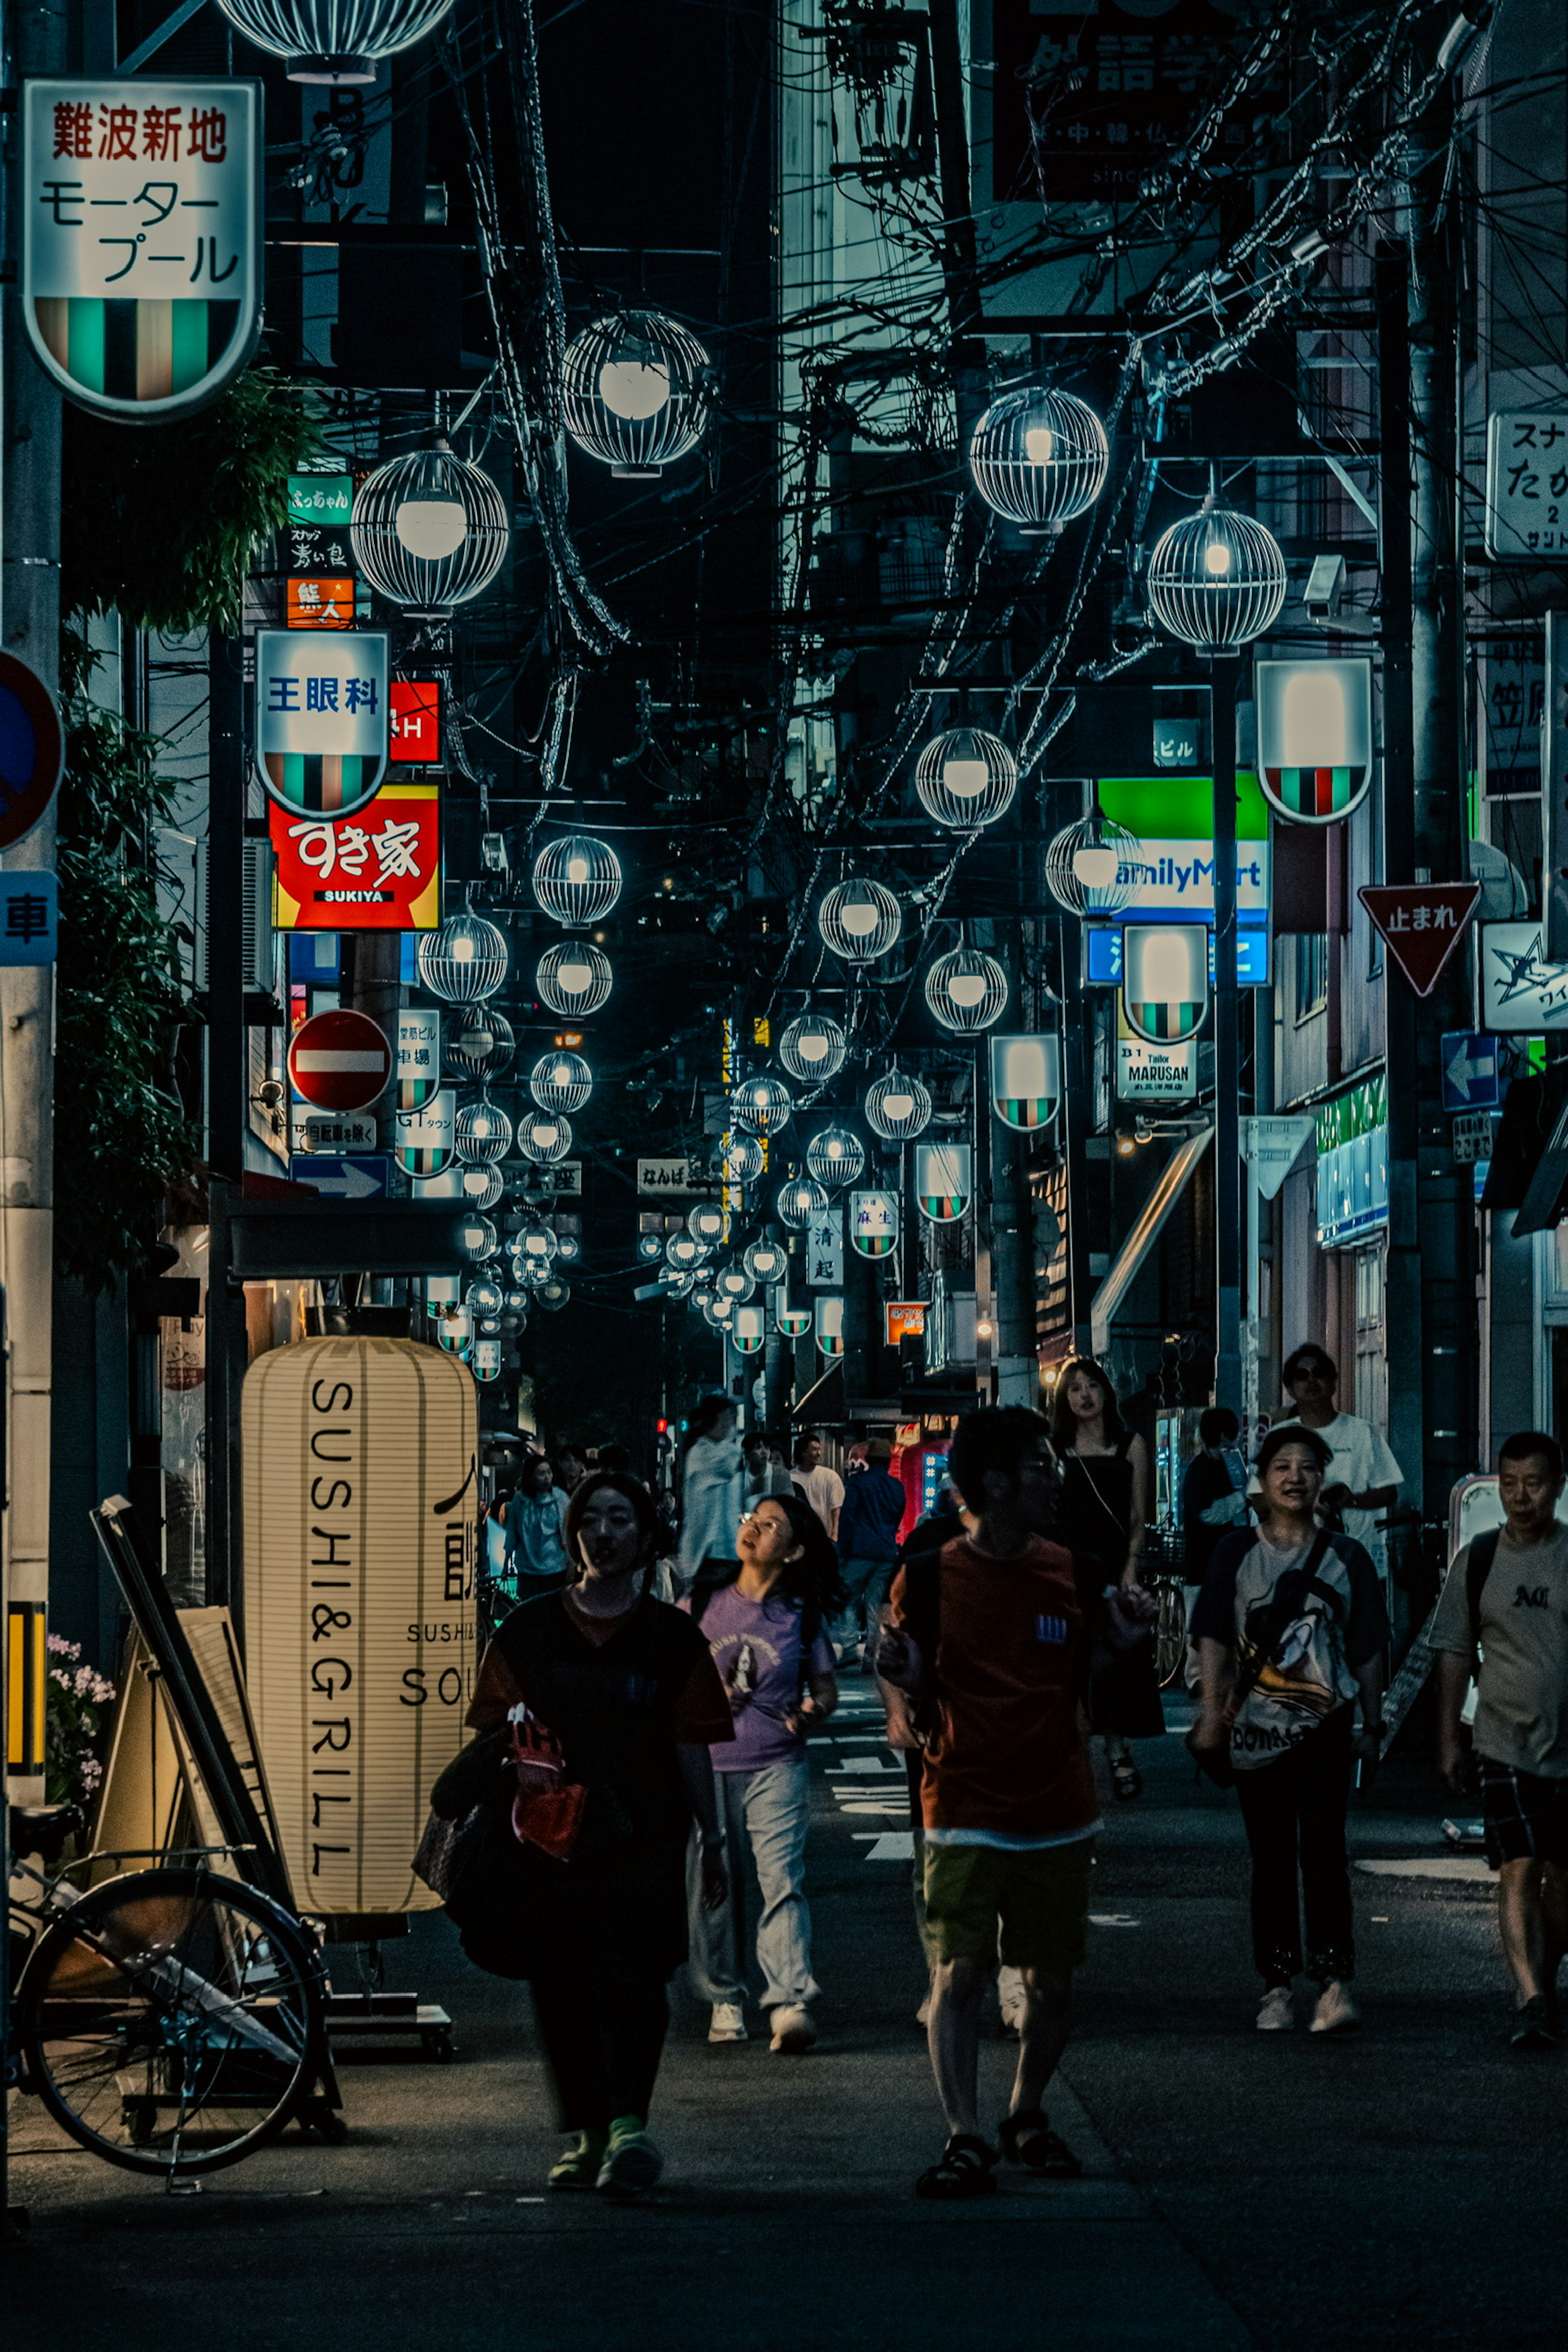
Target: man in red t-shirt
x=991, y=1641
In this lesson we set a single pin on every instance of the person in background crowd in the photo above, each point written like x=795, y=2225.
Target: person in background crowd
x=1214, y=1489
x=1291, y=1622
x=765, y=1471
x=711, y=1480
x=869, y=1519
x=1102, y=1513
x=598, y=1928
x=767, y=1632
x=822, y=1488
x=1506, y=1596
x=571, y=1465
x=1363, y=1476
x=931, y=1532
x=535, y=1529
x=991, y=1639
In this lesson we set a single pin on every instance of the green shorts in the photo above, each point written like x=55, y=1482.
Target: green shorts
x=1028, y=1910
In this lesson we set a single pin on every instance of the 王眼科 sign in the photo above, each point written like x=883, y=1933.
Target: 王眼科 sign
x=322, y=718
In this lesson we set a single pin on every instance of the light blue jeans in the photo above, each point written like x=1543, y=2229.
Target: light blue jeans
x=865, y=1584
x=768, y=1811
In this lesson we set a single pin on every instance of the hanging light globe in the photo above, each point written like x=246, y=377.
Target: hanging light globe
x=482, y=1185
x=897, y=1107
x=650, y=1248
x=764, y=1261
x=676, y=1286
x=484, y=1298
x=734, y=1283
x=544, y=1137
x=552, y=1294
x=745, y=1160
x=481, y=1045
x=573, y=978
x=335, y=41
x=813, y=1048
x=517, y=1305
x=799, y=1201
x=761, y=1106
x=634, y=391
x=577, y=879
x=966, y=778
x=1216, y=580
x=454, y=1328
x=700, y=1295
x=860, y=921
x=561, y=1081
x=463, y=961
x=482, y=1131
x=569, y=1251
x=718, y=1312
x=683, y=1252
x=478, y=1238
x=836, y=1157
x=706, y=1226
x=429, y=532
x=966, y=989
x=1039, y=458
x=1094, y=868
x=537, y=1245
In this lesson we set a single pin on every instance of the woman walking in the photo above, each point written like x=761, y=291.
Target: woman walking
x=535, y=1529
x=1101, y=1516
x=1291, y=1631
x=712, y=1479
x=767, y=1632
x=595, y=1709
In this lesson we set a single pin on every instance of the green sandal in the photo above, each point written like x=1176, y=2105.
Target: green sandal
x=578, y=2167
x=632, y=2160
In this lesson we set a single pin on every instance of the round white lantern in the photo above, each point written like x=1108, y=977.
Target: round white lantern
x=836, y=1156
x=573, y=978
x=860, y=921
x=480, y=1185
x=897, y=1107
x=1094, y=868
x=966, y=989
x=484, y=1297
x=813, y=1048
x=463, y=961
x=482, y=1131
x=544, y=1137
x=478, y=1238
x=706, y=1225
x=761, y=1106
x=577, y=879
x=429, y=532
x=744, y=1159
x=966, y=778
x=561, y=1081
x=1216, y=580
x=479, y=1044
x=764, y=1261
x=634, y=391
x=1039, y=458
x=799, y=1201
x=552, y=1294
x=335, y=41
x=734, y=1282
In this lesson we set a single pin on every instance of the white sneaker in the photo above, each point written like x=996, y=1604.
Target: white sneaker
x=794, y=2028
x=728, y=2022
x=1011, y=1998
x=1336, y=2012
x=1278, y=2012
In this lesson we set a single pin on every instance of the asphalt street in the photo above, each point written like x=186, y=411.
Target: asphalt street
x=1406, y=2187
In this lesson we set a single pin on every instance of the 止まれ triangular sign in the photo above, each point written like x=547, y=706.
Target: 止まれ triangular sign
x=1421, y=924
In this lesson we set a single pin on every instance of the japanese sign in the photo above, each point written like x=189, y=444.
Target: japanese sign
x=29, y=919
x=825, y=1250
x=1174, y=819
x=1421, y=923
x=416, y=1070
x=659, y=1178
x=874, y=1222
x=32, y=750
x=1527, y=486
x=793, y=1316
x=338, y=1131
x=416, y=722
x=379, y=870
x=1353, y=1164
x=1522, y=990
x=322, y=718
x=1553, y=742
x=903, y=1318
x=426, y=1136
x=320, y=602
x=1153, y=1072
x=141, y=239
x=1475, y=1132
x=322, y=502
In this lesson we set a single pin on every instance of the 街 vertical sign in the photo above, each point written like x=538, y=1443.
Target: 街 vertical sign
x=141, y=239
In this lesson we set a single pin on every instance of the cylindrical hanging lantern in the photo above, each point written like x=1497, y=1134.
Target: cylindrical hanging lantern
x=483, y=1132
x=966, y=989
x=429, y=532
x=944, y=1183
x=761, y=1106
x=336, y=42
x=1039, y=458
x=813, y=1048
x=573, y=978
x=1165, y=980
x=966, y=778
x=561, y=1081
x=799, y=1201
x=860, y=921
x=479, y=1044
x=358, y=1469
x=874, y=1222
x=836, y=1156
x=634, y=391
x=1025, y=1079
x=1094, y=868
x=463, y=961
x=1216, y=580
x=898, y=1107
x=544, y=1137
x=829, y=1319
x=747, y=1328
x=577, y=879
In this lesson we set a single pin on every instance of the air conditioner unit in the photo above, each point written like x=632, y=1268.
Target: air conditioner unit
x=259, y=942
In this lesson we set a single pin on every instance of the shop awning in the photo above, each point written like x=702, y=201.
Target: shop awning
x=1145, y=1233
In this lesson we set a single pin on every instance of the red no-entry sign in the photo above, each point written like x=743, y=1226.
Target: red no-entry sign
x=340, y=1061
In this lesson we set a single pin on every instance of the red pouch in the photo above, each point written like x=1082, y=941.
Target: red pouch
x=550, y=1822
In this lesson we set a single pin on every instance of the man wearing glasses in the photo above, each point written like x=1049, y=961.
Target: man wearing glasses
x=1364, y=1478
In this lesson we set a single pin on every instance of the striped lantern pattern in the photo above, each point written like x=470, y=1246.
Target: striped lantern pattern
x=829, y=1318
x=1316, y=794
x=135, y=350
x=794, y=1320
x=321, y=783
x=1165, y=980
x=944, y=1180
x=1025, y=1080
x=874, y=1222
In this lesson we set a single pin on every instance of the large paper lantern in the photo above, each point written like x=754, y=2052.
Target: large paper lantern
x=573, y=978
x=429, y=532
x=634, y=391
x=483, y=1132
x=966, y=778
x=966, y=989
x=813, y=1048
x=561, y=1081
x=360, y=1484
x=764, y=1261
x=464, y=961
x=705, y=1224
x=859, y=920
x=761, y=1106
x=1094, y=868
x=1039, y=457
x=479, y=1044
x=836, y=1156
x=544, y=1137
x=943, y=1181
x=1165, y=980
x=1216, y=580
x=799, y=1201
x=577, y=879
x=335, y=41
x=744, y=1159
x=897, y=1106
x=1025, y=1079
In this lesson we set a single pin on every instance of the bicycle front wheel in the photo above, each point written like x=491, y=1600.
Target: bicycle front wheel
x=172, y=2020
x=1170, y=1633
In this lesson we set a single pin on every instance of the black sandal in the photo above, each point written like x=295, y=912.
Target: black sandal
x=965, y=2170
x=1027, y=2139
x=1126, y=1778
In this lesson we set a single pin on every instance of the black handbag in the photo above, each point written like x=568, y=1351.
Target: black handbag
x=447, y=1850
x=1215, y=1762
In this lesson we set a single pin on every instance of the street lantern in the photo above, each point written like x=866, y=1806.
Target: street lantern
x=1039, y=458
x=336, y=42
x=734, y=1282
x=577, y=879
x=792, y=1317
x=651, y=1247
x=482, y=1131
x=552, y=1294
x=859, y=920
x=1094, y=868
x=1165, y=980
x=745, y=1160
x=561, y=1081
x=480, y=1185
x=634, y=392
x=829, y=1324
x=799, y=1201
x=429, y=532
x=836, y=1157
x=544, y=1137
x=897, y=1106
x=966, y=778
x=1314, y=737
x=463, y=961
x=484, y=1297
x=764, y=1261
x=813, y=1048
x=966, y=989
x=480, y=1045
x=1216, y=580
x=683, y=1252
x=761, y=1106
x=478, y=1238
x=747, y=1328
x=706, y=1225
x=573, y=978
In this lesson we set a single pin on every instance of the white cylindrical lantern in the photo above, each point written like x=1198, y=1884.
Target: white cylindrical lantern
x=747, y=1328
x=966, y=778
x=829, y=1324
x=1025, y=1079
x=1216, y=580
x=813, y=1048
x=1039, y=458
x=573, y=978
x=577, y=879
x=943, y=1181
x=360, y=1494
x=429, y=532
x=561, y=1081
x=1165, y=980
x=1314, y=737
x=761, y=1106
x=860, y=921
x=1094, y=868
x=897, y=1106
x=634, y=391
x=463, y=961
x=966, y=989
x=335, y=41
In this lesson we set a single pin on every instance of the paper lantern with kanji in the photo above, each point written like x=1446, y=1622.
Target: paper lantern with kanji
x=359, y=1481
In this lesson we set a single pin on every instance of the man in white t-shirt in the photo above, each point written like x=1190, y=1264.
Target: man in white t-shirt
x=822, y=1488
x=1364, y=1478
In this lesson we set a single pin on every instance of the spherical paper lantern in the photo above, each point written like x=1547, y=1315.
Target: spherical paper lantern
x=898, y=1107
x=966, y=778
x=761, y=1106
x=1094, y=868
x=734, y=1282
x=836, y=1156
x=683, y=1252
x=860, y=921
x=360, y=1626
x=553, y=1294
x=544, y=1137
x=561, y=1081
x=766, y=1261
x=799, y=1201
x=706, y=1225
x=813, y=1048
x=577, y=879
x=538, y=1245
x=966, y=989
x=1039, y=458
x=335, y=41
x=480, y=1185
x=745, y=1160
x=1216, y=580
x=429, y=532
x=483, y=1132
x=479, y=1044
x=573, y=978
x=463, y=961
x=634, y=391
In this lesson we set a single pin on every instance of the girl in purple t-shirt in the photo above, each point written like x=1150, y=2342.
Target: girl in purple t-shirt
x=767, y=1630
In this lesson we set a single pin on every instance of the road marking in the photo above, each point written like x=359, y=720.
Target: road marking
x=1451, y=1866
x=1111, y=1919
x=886, y=1846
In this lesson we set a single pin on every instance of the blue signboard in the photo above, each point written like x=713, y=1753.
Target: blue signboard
x=1102, y=955
x=1471, y=1066
x=29, y=917
x=350, y=1177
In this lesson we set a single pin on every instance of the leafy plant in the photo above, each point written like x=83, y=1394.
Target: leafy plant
x=75, y=1695
x=163, y=521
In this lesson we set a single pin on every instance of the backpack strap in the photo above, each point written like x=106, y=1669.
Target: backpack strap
x=1478, y=1567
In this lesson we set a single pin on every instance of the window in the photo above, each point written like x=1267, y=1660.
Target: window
x=1311, y=973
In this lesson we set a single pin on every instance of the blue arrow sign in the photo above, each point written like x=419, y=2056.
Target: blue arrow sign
x=1471, y=1071
x=352, y=1178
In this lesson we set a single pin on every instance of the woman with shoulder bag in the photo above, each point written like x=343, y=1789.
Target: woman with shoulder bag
x=1102, y=1515
x=595, y=1708
x=1290, y=1630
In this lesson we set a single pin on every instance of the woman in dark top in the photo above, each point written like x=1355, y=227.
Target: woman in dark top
x=626, y=1689
x=1101, y=1516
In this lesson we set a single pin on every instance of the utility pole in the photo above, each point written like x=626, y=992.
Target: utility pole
x=1227, y=1044
x=227, y=1088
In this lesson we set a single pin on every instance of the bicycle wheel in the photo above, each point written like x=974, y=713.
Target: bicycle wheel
x=1170, y=1634
x=171, y=2020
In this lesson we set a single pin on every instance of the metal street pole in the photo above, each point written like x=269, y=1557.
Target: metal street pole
x=1226, y=1045
x=227, y=1088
